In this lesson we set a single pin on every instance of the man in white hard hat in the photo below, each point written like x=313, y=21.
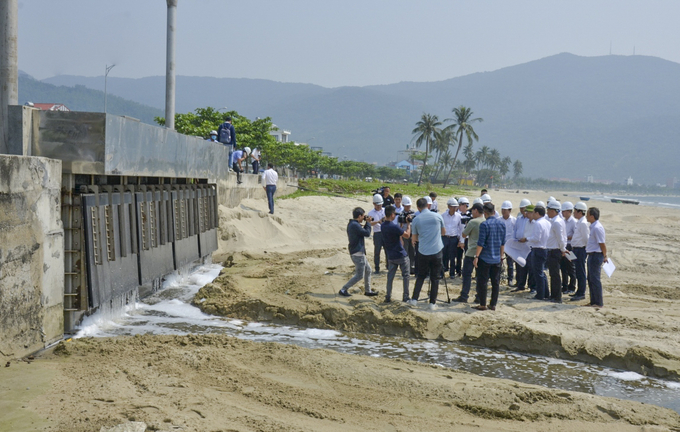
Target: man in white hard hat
x=486, y=198
x=520, y=225
x=377, y=215
x=538, y=240
x=597, y=255
x=509, y=220
x=578, y=245
x=557, y=248
x=450, y=238
x=212, y=137
x=465, y=216
x=566, y=265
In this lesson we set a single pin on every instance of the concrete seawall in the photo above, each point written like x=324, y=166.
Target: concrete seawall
x=31, y=254
x=230, y=194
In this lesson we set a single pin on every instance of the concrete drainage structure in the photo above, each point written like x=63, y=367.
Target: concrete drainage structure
x=94, y=207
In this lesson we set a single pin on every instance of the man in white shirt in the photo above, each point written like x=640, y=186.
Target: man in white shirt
x=255, y=156
x=538, y=241
x=269, y=179
x=398, y=203
x=597, y=254
x=509, y=220
x=450, y=238
x=578, y=245
x=557, y=248
x=377, y=214
x=566, y=265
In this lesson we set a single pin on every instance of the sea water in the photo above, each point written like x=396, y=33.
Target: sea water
x=170, y=312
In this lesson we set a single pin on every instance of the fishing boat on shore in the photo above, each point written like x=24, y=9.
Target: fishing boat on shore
x=625, y=201
x=584, y=198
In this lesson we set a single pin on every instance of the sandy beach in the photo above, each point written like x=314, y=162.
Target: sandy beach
x=287, y=268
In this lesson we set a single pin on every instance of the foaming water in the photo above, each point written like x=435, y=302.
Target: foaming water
x=170, y=312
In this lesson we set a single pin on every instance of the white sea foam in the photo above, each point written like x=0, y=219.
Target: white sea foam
x=624, y=376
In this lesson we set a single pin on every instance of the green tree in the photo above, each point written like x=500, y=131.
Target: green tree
x=505, y=166
x=426, y=129
x=462, y=125
x=517, y=168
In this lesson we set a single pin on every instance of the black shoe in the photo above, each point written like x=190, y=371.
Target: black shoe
x=556, y=301
x=371, y=293
x=460, y=300
x=577, y=298
x=387, y=300
x=376, y=273
x=476, y=300
x=539, y=298
x=344, y=293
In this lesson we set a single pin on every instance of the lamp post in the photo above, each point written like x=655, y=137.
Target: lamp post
x=106, y=76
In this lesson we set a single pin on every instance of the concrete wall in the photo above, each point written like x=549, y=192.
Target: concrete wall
x=23, y=128
x=31, y=254
x=230, y=194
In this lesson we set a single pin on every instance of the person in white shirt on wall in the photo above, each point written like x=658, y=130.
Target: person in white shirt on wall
x=377, y=215
x=269, y=179
x=578, y=245
x=255, y=157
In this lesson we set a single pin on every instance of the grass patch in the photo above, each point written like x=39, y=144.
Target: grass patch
x=350, y=188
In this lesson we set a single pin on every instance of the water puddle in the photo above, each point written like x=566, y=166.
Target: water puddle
x=169, y=312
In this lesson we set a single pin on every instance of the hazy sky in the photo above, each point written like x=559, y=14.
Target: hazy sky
x=334, y=43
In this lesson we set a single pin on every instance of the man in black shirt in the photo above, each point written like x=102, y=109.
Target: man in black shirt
x=387, y=198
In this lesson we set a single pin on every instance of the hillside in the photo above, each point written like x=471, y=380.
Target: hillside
x=81, y=98
x=563, y=116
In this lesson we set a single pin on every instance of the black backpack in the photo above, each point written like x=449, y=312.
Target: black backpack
x=225, y=133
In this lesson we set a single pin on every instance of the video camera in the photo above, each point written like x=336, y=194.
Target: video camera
x=405, y=216
x=368, y=218
x=378, y=191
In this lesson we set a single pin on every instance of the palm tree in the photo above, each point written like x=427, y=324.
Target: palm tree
x=462, y=125
x=494, y=159
x=505, y=165
x=441, y=144
x=482, y=156
x=517, y=168
x=425, y=131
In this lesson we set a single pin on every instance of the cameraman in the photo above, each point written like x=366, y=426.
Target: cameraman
x=356, y=234
x=396, y=254
x=428, y=229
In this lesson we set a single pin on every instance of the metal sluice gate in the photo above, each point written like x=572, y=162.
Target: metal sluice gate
x=138, y=203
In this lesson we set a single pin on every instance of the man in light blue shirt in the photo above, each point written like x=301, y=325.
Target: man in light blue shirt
x=427, y=229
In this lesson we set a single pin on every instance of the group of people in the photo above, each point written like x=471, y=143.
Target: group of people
x=469, y=238
x=226, y=134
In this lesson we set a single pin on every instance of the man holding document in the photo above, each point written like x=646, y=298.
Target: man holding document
x=597, y=254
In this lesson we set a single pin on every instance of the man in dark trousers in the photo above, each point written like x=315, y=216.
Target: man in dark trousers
x=488, y=255
x=397, y=257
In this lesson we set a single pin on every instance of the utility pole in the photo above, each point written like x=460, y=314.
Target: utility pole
x=106, y=76
x=170, y=66
x=9, y=69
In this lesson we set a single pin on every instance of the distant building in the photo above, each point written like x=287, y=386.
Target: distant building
x=670, y=182
x=49, y=106
x=281, y=135
x=405, y=165
x=629, y=181
x=590, y=179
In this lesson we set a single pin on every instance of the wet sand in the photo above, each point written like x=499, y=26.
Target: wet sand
x=287, y=268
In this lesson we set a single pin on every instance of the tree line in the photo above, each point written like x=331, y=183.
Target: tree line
x=440, y=140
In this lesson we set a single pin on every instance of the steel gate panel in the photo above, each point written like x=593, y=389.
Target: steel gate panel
x=207, y=238
x=155, y=259
x=186, y=238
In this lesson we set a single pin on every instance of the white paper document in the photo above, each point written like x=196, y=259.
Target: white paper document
x=517, y=251
x=570, y=256
x=609, y=267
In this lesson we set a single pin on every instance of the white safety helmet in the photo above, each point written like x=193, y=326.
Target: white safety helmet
x=477, y=201
x=463, y=200
x=213, y=132
x=452, y=202
x=581, y=206
x=507, y=205
x=377, y=199
x=406, y=201
x=247, y=150
x=428, y=199
x=525, y=202
x=554, y=205
x=567, y=206
x=552, y=198
x=540, y=204
x=486, y=198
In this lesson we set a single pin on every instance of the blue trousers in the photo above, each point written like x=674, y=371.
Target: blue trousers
x=271, y=190
x=450, y=252
x=468, y=267
x=580, y=265
x=595, y=261
x=405, y=266
x=486, y=271
x=378, y=245
x=538, y=259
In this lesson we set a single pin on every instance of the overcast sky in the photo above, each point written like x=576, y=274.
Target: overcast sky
x=334, y=43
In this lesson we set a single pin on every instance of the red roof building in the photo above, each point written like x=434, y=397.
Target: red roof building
x=51, y=107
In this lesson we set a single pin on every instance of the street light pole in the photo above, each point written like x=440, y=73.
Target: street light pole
x=106, y=76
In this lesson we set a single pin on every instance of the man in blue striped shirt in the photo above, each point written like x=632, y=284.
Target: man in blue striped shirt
x=490, y=249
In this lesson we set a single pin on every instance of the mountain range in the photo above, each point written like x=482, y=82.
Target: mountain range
x=563, y=116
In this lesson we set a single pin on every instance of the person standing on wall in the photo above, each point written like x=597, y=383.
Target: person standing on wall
x=269, y=179
x=226, y=134
x=237, y=159
x=255, y=157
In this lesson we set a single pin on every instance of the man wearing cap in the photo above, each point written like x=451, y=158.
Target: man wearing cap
x=377, y=214
x=518, y=233
x=465, y=216
x=509, y=220
x=450, y=238
x=427, y=230
x=597, y=254
x=578, y=246
x=408, y=245
x=538, y=240
x=489, y=255
x=567, y=265
x=557, y=248
x=471, y=233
